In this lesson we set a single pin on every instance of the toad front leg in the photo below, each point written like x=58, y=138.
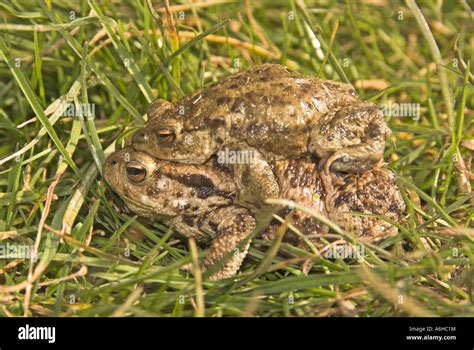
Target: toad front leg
x=232, y=225
x=229, y=226
x=252, y=175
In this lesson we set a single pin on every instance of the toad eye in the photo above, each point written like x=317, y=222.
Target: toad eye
x=136, y=171
x=166, y=135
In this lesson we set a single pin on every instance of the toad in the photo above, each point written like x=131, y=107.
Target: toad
x=273, y=113
x=199, y=201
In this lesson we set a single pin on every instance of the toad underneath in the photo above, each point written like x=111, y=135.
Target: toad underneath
x=199, y=201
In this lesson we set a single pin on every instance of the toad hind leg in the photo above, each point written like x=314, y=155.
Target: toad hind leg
x=350, y=139
x=232, y=225
x=347, y=160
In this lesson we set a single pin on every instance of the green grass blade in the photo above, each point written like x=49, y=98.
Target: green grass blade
x=35, y=105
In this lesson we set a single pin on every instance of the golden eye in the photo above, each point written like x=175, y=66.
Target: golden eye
x=136, y=171
x=166, y=135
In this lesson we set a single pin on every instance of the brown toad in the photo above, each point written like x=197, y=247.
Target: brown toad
x=199, y=201
x=273, y=112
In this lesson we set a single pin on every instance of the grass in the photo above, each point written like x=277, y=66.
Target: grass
x=97, y=259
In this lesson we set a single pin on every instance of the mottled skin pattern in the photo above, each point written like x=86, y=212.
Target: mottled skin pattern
x=200, y=201
x=278, y=112
x=373, y=192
